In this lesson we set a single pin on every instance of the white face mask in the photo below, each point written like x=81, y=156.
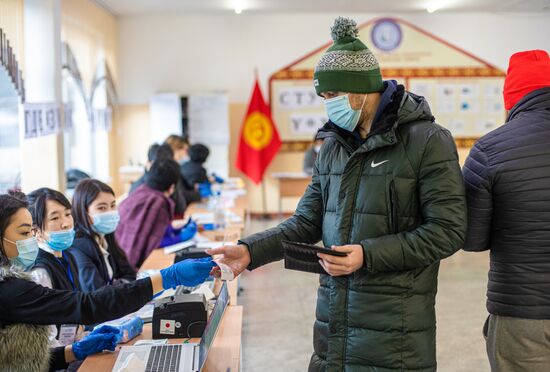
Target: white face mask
x=317, y=148
x=27, y=250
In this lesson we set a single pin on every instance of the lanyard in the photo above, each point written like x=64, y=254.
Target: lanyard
x=66, y=265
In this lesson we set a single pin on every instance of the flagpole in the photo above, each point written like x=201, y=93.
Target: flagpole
x=265, y=215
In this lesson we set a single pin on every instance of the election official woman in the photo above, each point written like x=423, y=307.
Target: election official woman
x=26, y=308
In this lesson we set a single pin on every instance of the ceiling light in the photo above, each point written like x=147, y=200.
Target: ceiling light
x=238, y=6
x=433, y=7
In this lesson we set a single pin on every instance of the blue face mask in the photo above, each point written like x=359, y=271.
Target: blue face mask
x=61, y=240
x=339, y=111
x=105, y=223
x=27, y=251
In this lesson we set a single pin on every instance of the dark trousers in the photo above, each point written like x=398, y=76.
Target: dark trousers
x=517, y=345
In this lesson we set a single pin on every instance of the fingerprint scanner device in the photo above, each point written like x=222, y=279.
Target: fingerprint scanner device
x=180, y=316
x=191, y=252
x=188, y=357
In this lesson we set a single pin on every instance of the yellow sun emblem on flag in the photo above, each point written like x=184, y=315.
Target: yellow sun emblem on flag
x=257, y=131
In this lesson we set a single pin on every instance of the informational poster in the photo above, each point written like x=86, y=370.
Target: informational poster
x=165, y=112
x=209, y=118
x=209, y=124
x=468, y=107
x=297, y=109
x=464, y=91
x=41, y=119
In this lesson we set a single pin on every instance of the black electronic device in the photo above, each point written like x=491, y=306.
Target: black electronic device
x=190, y=252
x=180, y=316
x=303, y=257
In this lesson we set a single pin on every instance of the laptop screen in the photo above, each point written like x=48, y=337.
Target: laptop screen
x=213, y=324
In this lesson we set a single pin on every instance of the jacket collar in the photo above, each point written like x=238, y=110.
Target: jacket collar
x=536, y=100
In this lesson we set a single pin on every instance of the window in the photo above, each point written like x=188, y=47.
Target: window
x=10, y=171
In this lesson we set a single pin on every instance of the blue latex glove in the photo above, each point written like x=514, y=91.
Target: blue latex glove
x=188, y=231
x=105, y=329
x=189, y=273
x=217, y=178
x=103, y=338
x=205, y=190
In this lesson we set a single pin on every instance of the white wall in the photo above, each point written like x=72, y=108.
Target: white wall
x=199, y=52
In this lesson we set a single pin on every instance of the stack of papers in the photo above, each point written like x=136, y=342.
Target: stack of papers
x=198, y=241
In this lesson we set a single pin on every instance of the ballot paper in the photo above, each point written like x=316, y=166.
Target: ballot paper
x=133, y=363
x=225, y=271
x=208, y=218
x=205, y=290
x=203, y=218
x=199, y=244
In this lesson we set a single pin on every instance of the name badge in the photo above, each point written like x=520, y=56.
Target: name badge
x=67, y=334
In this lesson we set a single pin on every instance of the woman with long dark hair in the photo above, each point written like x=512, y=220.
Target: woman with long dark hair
x=26, y=307
x=54, y=267
x=98, y=256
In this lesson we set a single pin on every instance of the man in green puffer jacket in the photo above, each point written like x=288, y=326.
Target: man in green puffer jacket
x=387, y=189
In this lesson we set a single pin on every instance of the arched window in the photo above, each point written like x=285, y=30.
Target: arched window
x=102, y=99
x=86, y=139
x=77, y=137
x=11, y=95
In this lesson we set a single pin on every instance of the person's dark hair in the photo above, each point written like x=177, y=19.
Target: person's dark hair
x=84, y=195
x=163, y=174
x=37, y=204
x=157, y=151
x=198, y=153
x=10, y=204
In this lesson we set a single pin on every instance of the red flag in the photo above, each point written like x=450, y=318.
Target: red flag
x=259, y=138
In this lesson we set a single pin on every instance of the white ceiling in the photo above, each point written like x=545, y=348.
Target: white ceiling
x=133, y=7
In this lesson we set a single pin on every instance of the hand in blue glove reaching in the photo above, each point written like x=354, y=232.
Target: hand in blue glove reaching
x=103, y=338
x=205, y=190
x=189, y=273
x=188, y=231
x=217, y=178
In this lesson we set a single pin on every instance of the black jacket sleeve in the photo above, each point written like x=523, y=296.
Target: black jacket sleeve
x=304, y=226
x=479, y=199
x=57, y=359
x=23, y=301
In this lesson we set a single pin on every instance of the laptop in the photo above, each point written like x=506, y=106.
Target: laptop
x=178, y=357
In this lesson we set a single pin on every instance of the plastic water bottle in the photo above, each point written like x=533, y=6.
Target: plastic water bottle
x=219, y=211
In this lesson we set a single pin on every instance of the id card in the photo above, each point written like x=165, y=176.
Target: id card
x=67, y=334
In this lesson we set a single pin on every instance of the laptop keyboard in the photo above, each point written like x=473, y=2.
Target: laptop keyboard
x=165, y=358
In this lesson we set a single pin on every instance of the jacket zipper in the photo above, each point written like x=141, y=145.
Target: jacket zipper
x=393, y=208
x=358, y=182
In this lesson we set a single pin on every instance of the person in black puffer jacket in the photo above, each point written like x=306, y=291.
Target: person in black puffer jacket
x=387, y=190
x=507, y=176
